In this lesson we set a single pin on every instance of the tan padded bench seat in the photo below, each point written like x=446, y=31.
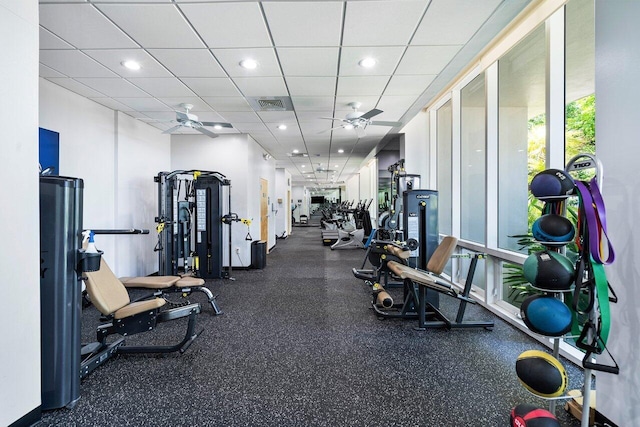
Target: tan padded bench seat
x=189, y=282
x=150, y=282
x=397, y=252
x=419, y=277
x=139, y=307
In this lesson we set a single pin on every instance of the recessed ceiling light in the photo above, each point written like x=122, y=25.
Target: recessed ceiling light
x=367, y=62
x=132, y=65
x=341, y=151
x=283, y=127
x=335, y=166
x=302, y=166
x=296, y=151
x=217, y=126
x=348, y=126
x=249, y=64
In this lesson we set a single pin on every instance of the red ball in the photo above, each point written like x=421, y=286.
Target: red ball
x=525, y=415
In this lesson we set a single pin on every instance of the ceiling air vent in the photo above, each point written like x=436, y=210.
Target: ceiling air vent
x=271, y=103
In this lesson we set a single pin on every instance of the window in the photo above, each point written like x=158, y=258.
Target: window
x=473, y=162
x=521, y=135
x=580, y=79
x=444, y=141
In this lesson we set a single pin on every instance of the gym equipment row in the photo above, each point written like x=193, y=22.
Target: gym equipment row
x=418, y=264
x=65, y=360
x=351, y=232
x=416, y=302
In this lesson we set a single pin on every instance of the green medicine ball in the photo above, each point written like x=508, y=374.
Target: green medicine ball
x=549, y=271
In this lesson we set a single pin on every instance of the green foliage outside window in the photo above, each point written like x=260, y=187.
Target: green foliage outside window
x=579, y=138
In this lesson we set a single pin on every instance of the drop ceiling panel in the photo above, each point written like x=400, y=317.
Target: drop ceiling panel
x=312, y=103
x=162, y=87
x=387, y=59
x=47, y=72
x=315, y=127
x=212, y=86
x=311, y=23
x=198, y=104
x=164, y=116
x=113, y=60
x=189, y=62
x=266, y=57
x=396, y=103
x=361, y=85
x=342, y=104
x=74, y=63
x=143, y=104
x=141, y=22
x=306, y=116
x=408, y=85
x=76, y=87
x=83, y=26
x=111, y=103
x=381, y=23
x=309, y=62
x=277, y=116
x=252, y=128
x=261, y=86
x=51, y=41
x=228, y=103
x=426, y=59
x=241, y=117
x=217, y=24
x=114, y=87
x=311, y=86
x=453, y=22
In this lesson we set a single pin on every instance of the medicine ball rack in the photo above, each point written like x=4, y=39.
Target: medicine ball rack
x=578, y=163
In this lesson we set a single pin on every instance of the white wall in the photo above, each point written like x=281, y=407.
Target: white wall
x=117, y=157
x=617, y=95
x=20, y=247
x=282, y=203
x=352, y=188
x=299, y=197
x=416, y=148
x=141, y=152
x=261, y=168
x=87, y=151
x=239, y=158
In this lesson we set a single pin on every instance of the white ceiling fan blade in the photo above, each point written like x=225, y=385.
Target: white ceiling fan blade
x=182, y=117
x=221, y=124
x=383, y=123
x=335, y=118
x=176, y=127
x=206, y=132
x=371, y=113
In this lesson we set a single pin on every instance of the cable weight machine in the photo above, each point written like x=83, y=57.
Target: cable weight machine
x=189, y=224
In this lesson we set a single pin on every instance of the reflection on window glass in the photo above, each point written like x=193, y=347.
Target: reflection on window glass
x=473, y=162
x=580, y=117
x=521, y=135
x=443, y=128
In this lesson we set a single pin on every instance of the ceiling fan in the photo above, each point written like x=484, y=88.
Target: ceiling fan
x=359, y=121
x=189, y=120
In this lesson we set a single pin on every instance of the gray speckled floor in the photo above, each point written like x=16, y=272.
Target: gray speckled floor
x=299, y=346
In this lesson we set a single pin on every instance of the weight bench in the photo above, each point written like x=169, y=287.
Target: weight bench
x=161, y=285
x=127, y=318
x=433, y=280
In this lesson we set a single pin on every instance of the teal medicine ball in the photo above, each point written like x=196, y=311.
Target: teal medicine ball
x=553, y=228
x=546, y=315
x=549, y=271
